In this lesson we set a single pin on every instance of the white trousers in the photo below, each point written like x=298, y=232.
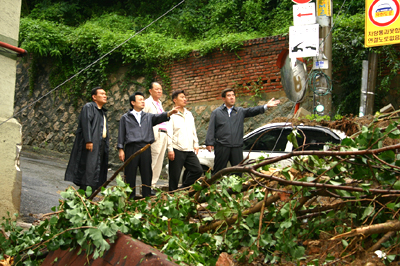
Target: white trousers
x=157, y=155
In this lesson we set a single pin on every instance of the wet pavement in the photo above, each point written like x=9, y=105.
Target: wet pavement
x=43, y=180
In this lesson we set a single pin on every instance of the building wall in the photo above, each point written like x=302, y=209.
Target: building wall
x=10, y=130
x=203, y=78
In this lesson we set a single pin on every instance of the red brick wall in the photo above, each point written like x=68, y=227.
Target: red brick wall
x=203, y=78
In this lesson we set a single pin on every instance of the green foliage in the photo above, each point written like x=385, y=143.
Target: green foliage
x=173, y=222
x=368, y=138
x=348, y=52
x=76, y=33
x=252, y=88
x=318, y=118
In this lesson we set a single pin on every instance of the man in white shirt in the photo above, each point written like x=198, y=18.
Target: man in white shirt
x=153, y=105
x=183, y=144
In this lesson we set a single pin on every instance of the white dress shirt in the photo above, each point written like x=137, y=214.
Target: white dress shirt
x=137, y=115
x=182, y=132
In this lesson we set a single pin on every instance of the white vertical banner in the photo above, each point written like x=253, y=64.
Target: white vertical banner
x=304, y=41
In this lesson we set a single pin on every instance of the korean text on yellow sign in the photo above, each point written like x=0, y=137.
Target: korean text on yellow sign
x=382, y=23
x=324, y=8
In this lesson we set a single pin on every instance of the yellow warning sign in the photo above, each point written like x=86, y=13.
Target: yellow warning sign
x=324, y=8
x=382, y=23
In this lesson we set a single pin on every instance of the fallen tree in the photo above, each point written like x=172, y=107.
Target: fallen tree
x=349, y=192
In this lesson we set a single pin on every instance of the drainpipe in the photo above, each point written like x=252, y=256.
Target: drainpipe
x=20, y=51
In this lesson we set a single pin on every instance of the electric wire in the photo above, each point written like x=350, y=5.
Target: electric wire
x=336, y=21
x=93, y=63
x=316, y=74
x=316, y=78
x=118, y=46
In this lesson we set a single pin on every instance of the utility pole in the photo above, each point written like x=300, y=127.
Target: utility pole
x=324, y=19
x=372, y=74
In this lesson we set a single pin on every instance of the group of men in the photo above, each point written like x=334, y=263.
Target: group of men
x=147, y=123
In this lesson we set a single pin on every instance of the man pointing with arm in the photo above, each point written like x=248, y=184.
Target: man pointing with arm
x=135, y=132
x=225, y=130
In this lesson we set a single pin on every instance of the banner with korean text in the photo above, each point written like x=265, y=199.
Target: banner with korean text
x=382, y=23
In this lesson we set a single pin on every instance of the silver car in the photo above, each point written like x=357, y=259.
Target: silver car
x=275, y=143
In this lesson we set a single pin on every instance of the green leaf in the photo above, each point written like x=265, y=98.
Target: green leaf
x=343, y=193
x=53, y=220
x=237, y=187
x=30, y=252
x=286, y=224
x=391, y=205
x=335, y=183
x=120, y=182
x=367, y=212
x=197, y=187
x=250, y=221
x=292, y=138
x=298, y=252
x=219, y=240
x=387, y=156
x=366, y=187
x=396, y=185
x=88, y=191
x=107, y=230
x=390, y=258
x=223, y=213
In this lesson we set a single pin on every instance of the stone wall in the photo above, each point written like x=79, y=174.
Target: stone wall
x=51, y=123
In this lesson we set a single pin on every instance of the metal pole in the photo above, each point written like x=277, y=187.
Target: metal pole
x=324, y=19
x=372, y=74
x=364, y=87
x=326, y=33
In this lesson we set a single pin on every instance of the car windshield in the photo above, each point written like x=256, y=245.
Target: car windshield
x=268, y=140
x=315, y=139
x=276, y=139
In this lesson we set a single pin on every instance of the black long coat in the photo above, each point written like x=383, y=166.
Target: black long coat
x=84, y=166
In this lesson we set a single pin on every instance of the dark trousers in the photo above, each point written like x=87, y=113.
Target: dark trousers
x=223, y=154
x=189, y=160
x=103, y=168
x=143, y=161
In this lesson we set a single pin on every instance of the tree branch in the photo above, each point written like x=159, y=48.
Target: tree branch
x=371, y=229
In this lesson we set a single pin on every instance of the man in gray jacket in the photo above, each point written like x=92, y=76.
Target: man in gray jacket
x=135, y=132
x=225, y=130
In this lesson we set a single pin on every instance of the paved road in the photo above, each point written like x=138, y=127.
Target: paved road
x=42, y=178
x=42, y=181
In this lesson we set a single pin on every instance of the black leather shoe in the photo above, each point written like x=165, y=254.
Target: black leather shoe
x=153, y=192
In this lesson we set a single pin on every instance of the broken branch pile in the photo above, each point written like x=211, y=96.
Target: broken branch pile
x=347, y=197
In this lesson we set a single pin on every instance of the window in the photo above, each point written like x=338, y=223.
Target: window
x=268, y=140
x=315, y=139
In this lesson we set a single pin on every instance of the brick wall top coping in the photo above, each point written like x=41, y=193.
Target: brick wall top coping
x=254, y=41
